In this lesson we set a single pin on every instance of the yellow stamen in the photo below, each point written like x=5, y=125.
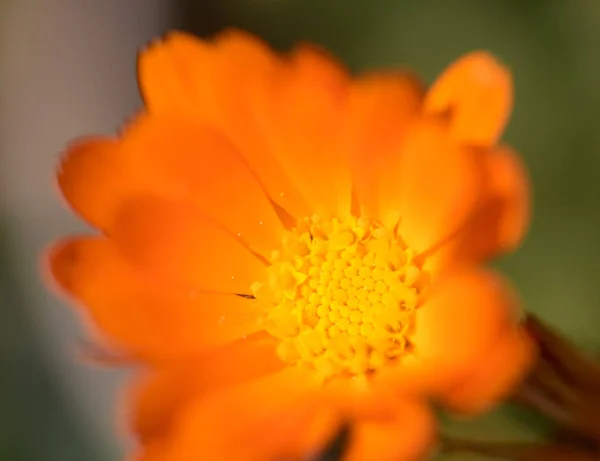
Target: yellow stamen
x=341, y=296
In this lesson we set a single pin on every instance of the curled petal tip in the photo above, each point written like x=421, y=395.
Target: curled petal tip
x=477, y=93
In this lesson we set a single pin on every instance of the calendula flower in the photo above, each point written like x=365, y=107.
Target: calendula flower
x=289, y=250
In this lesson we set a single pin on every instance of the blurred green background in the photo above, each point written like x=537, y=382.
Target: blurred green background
x=70, y=70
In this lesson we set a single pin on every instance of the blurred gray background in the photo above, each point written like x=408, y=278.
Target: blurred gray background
x=67, y=68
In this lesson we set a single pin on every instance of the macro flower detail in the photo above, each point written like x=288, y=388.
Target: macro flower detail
x=288, y=250
x=341, y=296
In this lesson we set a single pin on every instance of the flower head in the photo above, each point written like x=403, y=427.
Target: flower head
x=289, y=249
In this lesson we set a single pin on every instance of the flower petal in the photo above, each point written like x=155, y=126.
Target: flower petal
x=499, y=224
x=224, y=84
x=381, y=111
x=171, y=156
x=151, y=451
x=303, y=123
x=93, y=177
x=175, y=240
x=409, y=437
x=439, y=186
x=463, y=314
x=272, y=418
x=159, y=397
x=477, y=93
x=499, y=372
x=138, y=312
x=509, y=185
x=184, y=159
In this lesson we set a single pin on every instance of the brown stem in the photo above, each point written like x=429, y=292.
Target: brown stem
x=565, y=384
x=573, y=365
x=519, y=451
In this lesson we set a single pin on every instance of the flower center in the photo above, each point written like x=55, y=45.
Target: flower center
x=341, y=296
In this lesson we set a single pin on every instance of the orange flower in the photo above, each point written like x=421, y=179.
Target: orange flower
x=288, y=250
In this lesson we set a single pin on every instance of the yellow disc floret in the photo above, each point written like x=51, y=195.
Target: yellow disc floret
x=340, y=295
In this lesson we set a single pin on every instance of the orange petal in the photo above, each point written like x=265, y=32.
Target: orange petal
x=92, y=177
x=509, y=185
x=362, y=398
x=414, y=376
x=498, y=373
x=499, y=224
x=158, y=398
x=463, y=314
x=139, y=312
x=303, y=123
x=381, y=109
x=477, y=93
x=175, y=240
x=224, y=84
x=182, y=72
x=152, y=451
x=439, y=186
x=409, y=437
x=273, y=418
x=179, y=157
